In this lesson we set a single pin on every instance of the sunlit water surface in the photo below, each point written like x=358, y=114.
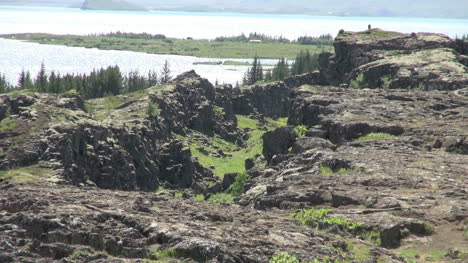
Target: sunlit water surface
x=15, y=55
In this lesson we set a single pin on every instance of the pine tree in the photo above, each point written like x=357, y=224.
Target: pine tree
x=28, y=82
x=268, y=76
x=21, y=79
x=152, y=78
x=165, y=73
x=281, y=70
x=41, y=83
x=254, y=73
x=55, y=83
x=4, y=86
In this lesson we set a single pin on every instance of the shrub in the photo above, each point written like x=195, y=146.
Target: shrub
x=284, y=257
x=359, y=82
x=222, y=198
x=152, y=109
x=237, y=188
x=300, y=130
x=316, y=218
x=199, y=197
x=385, y=82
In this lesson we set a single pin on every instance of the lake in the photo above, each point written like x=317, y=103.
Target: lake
x=15, y=55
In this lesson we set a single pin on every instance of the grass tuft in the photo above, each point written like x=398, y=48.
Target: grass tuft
x=375, y=136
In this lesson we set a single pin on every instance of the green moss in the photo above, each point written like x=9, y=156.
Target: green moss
x=8, y=124
x=218, y=110
x=376, y=136
x=300, y=130
x=429, y=228
x=25, y=174
x=76, y=254
x=178, y=195
x=199, y=197
x=325, y=170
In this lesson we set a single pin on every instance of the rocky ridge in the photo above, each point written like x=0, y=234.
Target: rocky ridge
x=78, y=178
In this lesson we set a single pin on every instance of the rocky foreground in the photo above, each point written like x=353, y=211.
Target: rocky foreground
x=377, y=173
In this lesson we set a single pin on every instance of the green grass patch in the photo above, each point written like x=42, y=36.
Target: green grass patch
x=316, y=217
x=178, y=195
x=375, y=136
x=25, y=174
x=236, y=63
x=162, y=256
x=199, y=197
x=8, y=124
x=359, y=82
x=300, y=130
x=320, y=219
x=197, y=48
x=236, y=162
x=222, y=198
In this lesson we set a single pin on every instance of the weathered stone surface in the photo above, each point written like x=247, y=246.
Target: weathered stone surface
x=104, y=228
x=278, y=141
x=394, y=60
x=270, y=100
x=387, y=183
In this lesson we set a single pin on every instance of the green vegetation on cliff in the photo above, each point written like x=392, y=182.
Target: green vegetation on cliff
x=235, y=156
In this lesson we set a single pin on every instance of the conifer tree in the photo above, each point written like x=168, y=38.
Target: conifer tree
x=21, y=79
x=28, y=82
x=4, y=86
x=41, y=83
x=165, y=73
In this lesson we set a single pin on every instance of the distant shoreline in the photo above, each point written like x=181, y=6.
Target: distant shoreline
x=233, y=12
x=174, y=46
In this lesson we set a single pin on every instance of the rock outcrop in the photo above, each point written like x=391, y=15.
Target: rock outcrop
x=388, y=167
x=130, y=149
x=383, y=59
x=407, y=176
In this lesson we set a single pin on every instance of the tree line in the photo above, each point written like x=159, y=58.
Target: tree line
x=305, y=62
x=119, y=34
x=326, y=39
x=98, y=83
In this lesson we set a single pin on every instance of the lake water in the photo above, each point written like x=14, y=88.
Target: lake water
x=15, y=55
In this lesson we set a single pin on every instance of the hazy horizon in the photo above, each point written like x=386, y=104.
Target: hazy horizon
x=398, y=8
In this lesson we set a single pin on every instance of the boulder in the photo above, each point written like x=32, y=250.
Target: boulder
x=278, y=141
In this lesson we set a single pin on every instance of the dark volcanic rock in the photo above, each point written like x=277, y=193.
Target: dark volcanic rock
x=278, y=141
x=270, y=100
x=394, y=60
x=386, y=182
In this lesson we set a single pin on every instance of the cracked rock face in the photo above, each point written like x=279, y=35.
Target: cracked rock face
x=397, y=61
x=118, y=226
x=391, y=184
